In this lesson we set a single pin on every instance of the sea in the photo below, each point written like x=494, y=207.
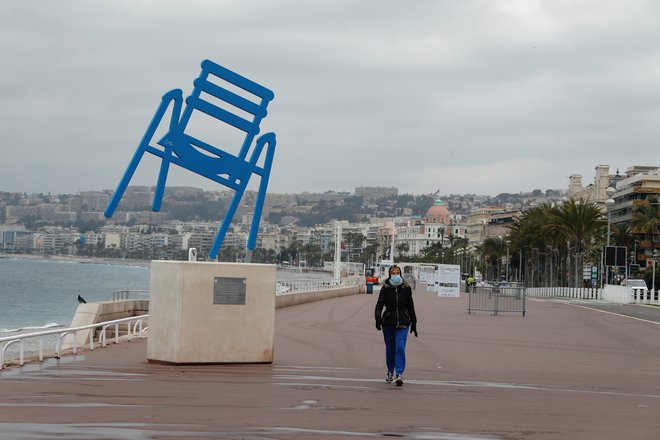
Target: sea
x=38, y=294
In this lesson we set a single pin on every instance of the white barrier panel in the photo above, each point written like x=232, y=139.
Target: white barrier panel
x=617, y=294
x=448, y=278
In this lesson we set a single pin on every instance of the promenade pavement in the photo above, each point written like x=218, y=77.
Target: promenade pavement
x=561, y=372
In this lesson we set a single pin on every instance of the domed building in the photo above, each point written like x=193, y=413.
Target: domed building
x=438, y=213
x=420, y=232
x=437, y=223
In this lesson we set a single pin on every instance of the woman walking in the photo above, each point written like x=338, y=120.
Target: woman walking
x=399, y=315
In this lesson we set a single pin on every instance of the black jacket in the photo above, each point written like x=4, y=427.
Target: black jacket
x=398, y=303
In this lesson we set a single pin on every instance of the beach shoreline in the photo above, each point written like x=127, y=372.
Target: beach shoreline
x=78, y=259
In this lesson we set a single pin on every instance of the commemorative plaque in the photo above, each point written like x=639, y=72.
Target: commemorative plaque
x=229, y=290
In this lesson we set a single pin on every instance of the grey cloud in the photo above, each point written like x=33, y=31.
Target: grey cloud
x=362, y=88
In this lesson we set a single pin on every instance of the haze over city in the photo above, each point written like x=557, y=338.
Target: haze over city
x=480, y=97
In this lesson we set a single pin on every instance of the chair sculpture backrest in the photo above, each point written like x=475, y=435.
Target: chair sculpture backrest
x=204, y=84
x=229, y=172
x=243, y=108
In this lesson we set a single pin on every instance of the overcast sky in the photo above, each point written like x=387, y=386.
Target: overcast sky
x=464, y=96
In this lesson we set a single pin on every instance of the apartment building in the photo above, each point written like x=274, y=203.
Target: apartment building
x=640, y=183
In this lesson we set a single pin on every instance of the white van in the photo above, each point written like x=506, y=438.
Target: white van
x=640, y=291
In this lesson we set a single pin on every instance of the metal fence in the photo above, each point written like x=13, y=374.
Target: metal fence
x=285, y=287
x=497, y=298
x=610, y=293
x=119, y=295
x=134, y=328
x=566, y=292
x=39, y=344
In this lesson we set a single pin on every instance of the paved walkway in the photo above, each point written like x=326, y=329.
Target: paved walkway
x=645, y=312
x=561, y=372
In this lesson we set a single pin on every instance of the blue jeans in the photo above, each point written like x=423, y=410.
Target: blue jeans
x=395, y=348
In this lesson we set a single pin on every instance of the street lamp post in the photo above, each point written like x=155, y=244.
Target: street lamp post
x=551, y=255
x=507, y=261
x=608, y=203
x=653, y=275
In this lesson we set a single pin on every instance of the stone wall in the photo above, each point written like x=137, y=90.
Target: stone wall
x=305, y=297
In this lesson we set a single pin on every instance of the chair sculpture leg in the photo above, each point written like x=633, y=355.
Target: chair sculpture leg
x=123, y=183
x=162, y=177
x=269, y=140
x=177, y=97
x=224, y=227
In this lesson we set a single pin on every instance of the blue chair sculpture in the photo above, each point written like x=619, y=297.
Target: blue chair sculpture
x=184, y=150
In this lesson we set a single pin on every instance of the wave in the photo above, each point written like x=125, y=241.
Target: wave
x=43, y=327
x=71, y=259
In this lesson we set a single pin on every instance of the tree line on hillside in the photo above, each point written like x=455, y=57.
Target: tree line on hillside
x=200, y=207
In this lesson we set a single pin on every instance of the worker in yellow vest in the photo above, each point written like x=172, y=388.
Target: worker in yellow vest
x=468, y=283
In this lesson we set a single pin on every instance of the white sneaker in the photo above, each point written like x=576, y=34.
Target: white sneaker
x=399, y=380
x=390, y=377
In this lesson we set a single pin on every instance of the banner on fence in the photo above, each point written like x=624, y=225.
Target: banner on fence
x=448, y=280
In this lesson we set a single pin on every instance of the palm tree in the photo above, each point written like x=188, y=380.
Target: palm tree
x=369, y=254
x=622, y=235
x=353, y=240
x=434, y=253
x=402, y=248
x=460, y=244
x=451, y=237
x=551, y=235
x=529, y=234
x=581, y=223
x=492, y=250
x=646, y=219
x=313, y=254
x=525, y=233
x=441, y=233
x=291, y=253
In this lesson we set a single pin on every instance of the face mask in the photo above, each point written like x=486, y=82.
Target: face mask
x=396, y=279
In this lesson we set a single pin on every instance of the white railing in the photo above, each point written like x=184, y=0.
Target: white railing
x=626, y=295
x=298, y=286
x=566, y=292
x=282, y=288
x=136, y=322
x=119, y=295
x=647, y=297
x=611, y=293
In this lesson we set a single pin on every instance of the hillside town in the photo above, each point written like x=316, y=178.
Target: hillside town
x=298, y=229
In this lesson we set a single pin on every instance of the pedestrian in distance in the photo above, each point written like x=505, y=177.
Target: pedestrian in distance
x=395, y=321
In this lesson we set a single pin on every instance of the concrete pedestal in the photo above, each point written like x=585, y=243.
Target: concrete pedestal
x=211, y=313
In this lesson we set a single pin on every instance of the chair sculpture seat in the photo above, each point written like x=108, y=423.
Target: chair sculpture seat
x=213, y=167
x=182, y=149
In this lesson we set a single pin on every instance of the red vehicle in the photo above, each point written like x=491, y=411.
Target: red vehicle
x=370, y=275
